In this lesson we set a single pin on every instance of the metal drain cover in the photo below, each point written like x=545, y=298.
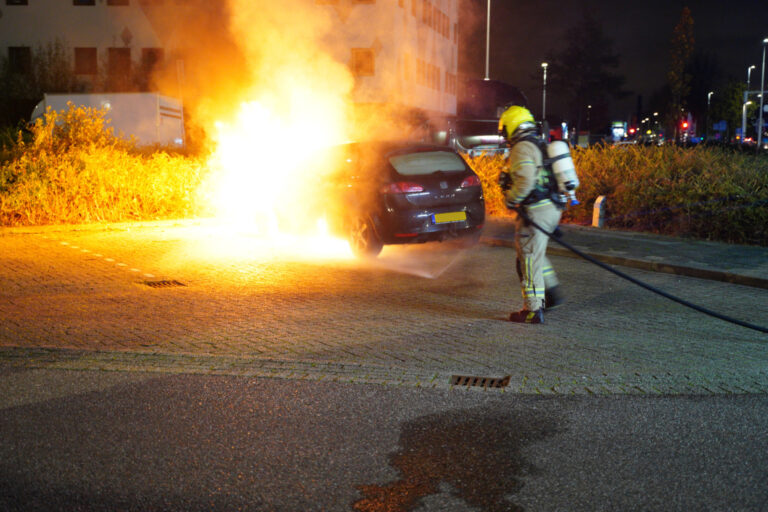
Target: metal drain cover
x=165, y=283
x=482, y=382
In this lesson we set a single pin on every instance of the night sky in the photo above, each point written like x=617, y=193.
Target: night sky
x=523, y=32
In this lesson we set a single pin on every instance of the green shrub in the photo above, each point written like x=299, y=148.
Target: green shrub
x=74, y=170
x=69, y=168
x=703, y=192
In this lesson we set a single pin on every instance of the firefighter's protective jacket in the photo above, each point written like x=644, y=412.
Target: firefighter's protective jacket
x=525, y=169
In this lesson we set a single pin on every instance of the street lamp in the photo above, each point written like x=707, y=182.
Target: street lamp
x=544, y=93
x=746, y=97
x=760, y=112
x=488, y=40
x=709, y=98
x=744, y=120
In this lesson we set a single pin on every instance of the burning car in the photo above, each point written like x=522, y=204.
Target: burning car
x=400, y=193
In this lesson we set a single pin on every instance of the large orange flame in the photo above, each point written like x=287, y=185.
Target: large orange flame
x=296, y=104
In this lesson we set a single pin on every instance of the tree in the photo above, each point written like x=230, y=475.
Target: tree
x=679, y=76
x=582, y=75
x=49, y=70
x=52, y=69
x=727, y=106
x=706, y=74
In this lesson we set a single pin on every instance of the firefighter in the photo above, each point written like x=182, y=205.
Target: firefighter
x=527, y=188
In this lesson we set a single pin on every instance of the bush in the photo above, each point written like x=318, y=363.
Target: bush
x=69, y=168
x=703, y=192
x=74, y=170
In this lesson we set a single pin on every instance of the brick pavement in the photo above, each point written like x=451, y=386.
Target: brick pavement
x=77, y=299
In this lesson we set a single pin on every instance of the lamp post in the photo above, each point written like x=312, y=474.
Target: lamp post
x=709, y=98
x=544, y=93
x=760, y=112
x=744, y=120
x=746, y=97
x=488, y=41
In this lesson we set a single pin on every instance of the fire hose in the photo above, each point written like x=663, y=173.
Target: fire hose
x=521, y=212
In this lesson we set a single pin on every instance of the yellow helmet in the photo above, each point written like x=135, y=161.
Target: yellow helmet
x=515, y=118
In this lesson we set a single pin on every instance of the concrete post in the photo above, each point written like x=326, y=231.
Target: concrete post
x=598, y=212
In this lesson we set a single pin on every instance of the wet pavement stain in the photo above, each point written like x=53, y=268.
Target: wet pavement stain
x=477, y=452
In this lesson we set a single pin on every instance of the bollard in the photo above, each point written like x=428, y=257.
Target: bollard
x=598, y=212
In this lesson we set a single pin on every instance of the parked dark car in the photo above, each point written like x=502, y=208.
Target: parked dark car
x=401, y=193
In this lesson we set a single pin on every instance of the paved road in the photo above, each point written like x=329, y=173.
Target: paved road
x=81, y=300
x=76, y=440
x=278, y=379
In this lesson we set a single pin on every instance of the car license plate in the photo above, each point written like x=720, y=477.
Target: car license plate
x=442, y=218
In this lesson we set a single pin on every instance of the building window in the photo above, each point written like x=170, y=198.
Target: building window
x=450, y=83
x=119, y=61
x=119, y=68
x=83, y=2
x=20, y=59
x=151, y=58
x=16, y=2
x=85, y=61
x=446, y=27
x=117, y=2
x=363, y=62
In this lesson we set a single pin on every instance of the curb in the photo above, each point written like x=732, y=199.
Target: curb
x=653, y=266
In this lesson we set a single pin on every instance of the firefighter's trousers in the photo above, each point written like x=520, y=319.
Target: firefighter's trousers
x=535, y=272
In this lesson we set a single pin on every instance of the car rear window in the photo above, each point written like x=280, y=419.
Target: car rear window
x=427, y=162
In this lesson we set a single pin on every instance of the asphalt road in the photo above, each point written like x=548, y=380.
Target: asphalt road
x=129, y=441
x=298, y=380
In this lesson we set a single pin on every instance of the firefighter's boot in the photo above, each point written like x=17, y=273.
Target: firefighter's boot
x=525, y=316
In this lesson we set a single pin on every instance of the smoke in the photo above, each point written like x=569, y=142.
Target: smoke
x=290, y=69
x=473, y=32
x=204, y=64
x=429, y=261
x=276, y=53
x=297, y=56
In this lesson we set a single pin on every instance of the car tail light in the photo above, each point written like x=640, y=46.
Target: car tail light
x=402, y=187
x=470, y=181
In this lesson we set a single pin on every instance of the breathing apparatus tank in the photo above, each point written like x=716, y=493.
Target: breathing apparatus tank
x=559, y=155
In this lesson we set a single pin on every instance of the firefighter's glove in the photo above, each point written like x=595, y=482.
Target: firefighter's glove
x=505, y=181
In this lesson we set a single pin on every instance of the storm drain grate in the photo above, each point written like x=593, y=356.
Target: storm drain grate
x=165, y=283
x=482, y=382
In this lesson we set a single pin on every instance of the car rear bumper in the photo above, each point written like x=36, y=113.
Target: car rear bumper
x=414, y=226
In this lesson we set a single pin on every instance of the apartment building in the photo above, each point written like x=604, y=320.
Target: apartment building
x=402, y=52
x=103, y=36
